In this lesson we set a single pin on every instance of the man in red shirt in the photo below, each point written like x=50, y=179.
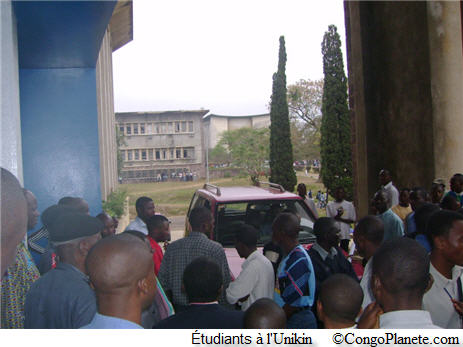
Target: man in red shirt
x=158, y=231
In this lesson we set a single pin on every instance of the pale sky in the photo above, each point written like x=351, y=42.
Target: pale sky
x=219, y=55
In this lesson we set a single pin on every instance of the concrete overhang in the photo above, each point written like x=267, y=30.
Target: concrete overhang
x=61, y=34
x=121, y=24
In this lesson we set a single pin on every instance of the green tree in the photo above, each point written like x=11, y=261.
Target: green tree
x=336, y=157
x=120, y=141
x=219, y=155
x=281, y=149
x=305, y=103
x=248, y=149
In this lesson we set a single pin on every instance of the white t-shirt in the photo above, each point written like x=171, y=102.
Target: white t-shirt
x=406, y=319
x=437, y=301
x=256, y=279
x=365, y=284
x=138, y=225
x=392, y=195
x=349, y=213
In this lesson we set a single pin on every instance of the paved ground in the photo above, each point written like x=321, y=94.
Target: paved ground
x=177, y=228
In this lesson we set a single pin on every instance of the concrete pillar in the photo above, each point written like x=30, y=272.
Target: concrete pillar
x=445, y=47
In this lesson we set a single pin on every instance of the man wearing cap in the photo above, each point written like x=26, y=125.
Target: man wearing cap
x=63, y=298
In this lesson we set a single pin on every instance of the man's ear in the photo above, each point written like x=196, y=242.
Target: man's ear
x=376, y=287
x=320, y=313
x=439, y=242
x=143, y=285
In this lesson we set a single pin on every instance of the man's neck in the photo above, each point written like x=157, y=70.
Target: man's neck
x=142, y=219
x=441, y=264
x=80, y=265
x=120, y=306
x=325, y=246
x=289, y=246
x=339, y=201
x=246, y=256
x=403, y=204
x=411, y=302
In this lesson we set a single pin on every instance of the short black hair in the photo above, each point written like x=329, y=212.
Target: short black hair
x=341, y=297
x=155, y=222
x=264, y=313
x=458, y=176
x=199, y=216
x=288, y=223
x=247, y=235
x=371, y=228
x=141, y=201
x=422, y=215
x=448, y=202
x=440, y=223
x=402, y=266
x=419, y=192
x=202, y=280
x=321, y=226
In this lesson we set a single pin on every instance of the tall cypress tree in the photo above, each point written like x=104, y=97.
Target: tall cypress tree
x=336, y=157
x=281, y=149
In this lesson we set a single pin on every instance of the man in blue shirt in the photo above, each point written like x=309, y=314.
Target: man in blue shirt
x=122, y=271
x=63, y=298
x=393, y=225
x=295, y=290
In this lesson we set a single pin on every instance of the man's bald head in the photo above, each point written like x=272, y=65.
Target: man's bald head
x=14, y=217
x=116, y=264
x=265, y=314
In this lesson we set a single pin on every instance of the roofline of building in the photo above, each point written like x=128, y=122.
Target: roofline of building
x=141, y=113
x=242, y=116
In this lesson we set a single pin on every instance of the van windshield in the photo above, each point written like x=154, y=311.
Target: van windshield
x=260, y=214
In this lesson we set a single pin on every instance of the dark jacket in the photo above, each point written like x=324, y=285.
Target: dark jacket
x=211, y=316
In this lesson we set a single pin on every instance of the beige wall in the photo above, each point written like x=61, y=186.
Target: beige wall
x=445, y=46
x=106, y=123
x=241, y=122
x=217, y=125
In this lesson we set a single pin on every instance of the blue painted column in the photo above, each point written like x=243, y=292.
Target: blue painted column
x=59, y=124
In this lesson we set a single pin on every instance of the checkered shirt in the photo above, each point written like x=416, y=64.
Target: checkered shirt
x=181, y=253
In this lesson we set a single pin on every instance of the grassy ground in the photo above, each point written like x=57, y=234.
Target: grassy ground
x=173, y=198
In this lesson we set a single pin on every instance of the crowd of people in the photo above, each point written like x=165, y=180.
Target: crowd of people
x=90, y=277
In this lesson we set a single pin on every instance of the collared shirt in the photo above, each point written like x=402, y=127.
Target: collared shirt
x=365, y=284
x=60, y=299
x=393, y=225
x=349, y=213
x=157, y=254
x=392, y=194
x=323, y=253
x=100, y=321
x=182, y=252
x=296, y=280
x=256, y=279
x=402, y=212
x=139, y=225
x=15, y=285
x=437, y=301
x=406, y=319
x=411, y=224
x=457, y=196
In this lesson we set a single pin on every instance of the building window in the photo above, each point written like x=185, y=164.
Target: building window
x=148, y=128
x=142, y=128
x=170, y=127
x=177, y=127
x=143, y=154
x=135, y=128
x=128, y=129
x=190, y=127
x=129, y=155
x=121, y=128
x=189, y=152
x=171, y=153
x=164, y=154
x=150, y=154
x=137, y=154
x=178, y=153
x=158, y=155
x=163, y=128
x=123, y=155
x=183, y=127
x=157, y=128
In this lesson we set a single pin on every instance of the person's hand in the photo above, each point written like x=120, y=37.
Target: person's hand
x=458, y=306
x=370, y=317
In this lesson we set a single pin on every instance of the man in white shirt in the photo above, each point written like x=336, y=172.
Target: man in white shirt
x=256, y=279
x=391, y=193
x=368, y=236
x=145, y=209
x=444, y=299
x=400, y=277
x=344, y=214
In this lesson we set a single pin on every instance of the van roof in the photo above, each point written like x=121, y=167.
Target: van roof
x=228, y=194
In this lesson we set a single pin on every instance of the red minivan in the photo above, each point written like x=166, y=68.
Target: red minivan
x=254, y=205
